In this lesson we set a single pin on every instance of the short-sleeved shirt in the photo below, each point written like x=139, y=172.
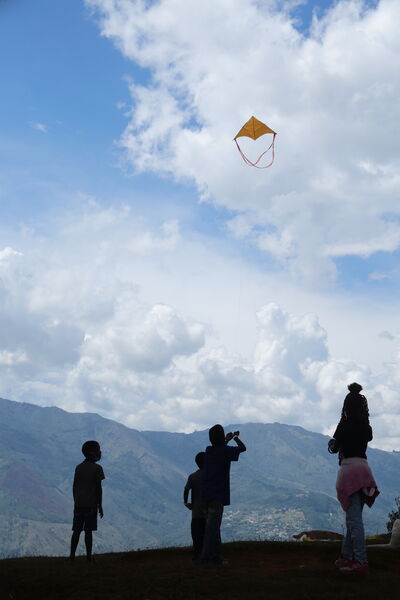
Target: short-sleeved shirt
x=87, y=477
x=194, y=483
x=217, y=465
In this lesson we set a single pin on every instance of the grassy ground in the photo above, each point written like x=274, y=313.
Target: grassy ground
x=256, y=570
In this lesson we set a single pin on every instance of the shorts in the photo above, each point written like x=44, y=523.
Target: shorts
x=85, y=518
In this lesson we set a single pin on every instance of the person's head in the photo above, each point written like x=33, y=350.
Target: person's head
x=200, y=459
x=91, y=450
x=354, y=388
x=355, y=406
x=217, y=435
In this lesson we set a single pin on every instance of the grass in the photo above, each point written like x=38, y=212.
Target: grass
x=256, y=570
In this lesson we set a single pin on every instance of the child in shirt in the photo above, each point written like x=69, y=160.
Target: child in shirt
x=216, y=488
x=198, y=524
x=87, y=497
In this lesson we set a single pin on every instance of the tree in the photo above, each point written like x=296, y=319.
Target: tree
x=393, y=515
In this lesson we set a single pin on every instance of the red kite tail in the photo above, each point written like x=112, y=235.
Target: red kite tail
x=255, y=163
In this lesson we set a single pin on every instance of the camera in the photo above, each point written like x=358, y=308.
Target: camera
x=229, y=436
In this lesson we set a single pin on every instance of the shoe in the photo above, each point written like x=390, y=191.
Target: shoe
x=343, y=562
x=356, y=568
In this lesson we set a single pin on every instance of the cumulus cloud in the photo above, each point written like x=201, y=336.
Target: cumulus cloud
x=7, y=253
x=148, y=241
x=332, y=95
x=39, y=127
x=158, y=328
x=80, y=330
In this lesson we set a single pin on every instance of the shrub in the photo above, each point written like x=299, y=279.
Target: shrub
x=393, y=515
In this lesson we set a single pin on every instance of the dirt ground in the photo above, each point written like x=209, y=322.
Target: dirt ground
x=254, y=570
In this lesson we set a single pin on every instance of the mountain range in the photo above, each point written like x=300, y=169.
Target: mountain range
x=283, y=484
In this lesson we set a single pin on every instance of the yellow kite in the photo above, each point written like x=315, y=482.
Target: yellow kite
x=255, y=129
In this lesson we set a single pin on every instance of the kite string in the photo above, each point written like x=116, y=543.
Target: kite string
x=255, y=164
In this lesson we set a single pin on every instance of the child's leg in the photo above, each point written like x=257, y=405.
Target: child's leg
x=212, y=537
x=88, y=544
x=198, y=527
x=347, y=544
x=74, y=543
x=202, y=531
x=356, y=527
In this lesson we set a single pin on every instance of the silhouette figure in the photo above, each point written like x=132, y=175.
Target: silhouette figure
x=198, y=524
x=87, y=497
x=216, y=488
x=355, y=483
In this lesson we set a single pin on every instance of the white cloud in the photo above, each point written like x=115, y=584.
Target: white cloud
x=378, y=276
x=162, y=327
x=39, y=127
x=12, y=358
x=387, y=335
x=332, y=97
x=148, y=242
x=8, y=252
x=144, y=341
x=81, y=329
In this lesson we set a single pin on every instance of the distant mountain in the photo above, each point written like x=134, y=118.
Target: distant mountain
x=283, y=484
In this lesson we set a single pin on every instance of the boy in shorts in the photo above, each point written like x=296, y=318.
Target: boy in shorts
x=87, y=497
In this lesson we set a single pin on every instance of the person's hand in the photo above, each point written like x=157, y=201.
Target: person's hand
x=101, y=512
x=228, y=437
x=236, y=434
x=188, y=505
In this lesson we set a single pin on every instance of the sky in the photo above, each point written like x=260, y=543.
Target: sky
x=146, y=272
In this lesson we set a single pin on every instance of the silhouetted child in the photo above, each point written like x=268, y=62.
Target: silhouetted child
x=87, y=497
x=355, y=484
x=198, y=524
x=216, y=488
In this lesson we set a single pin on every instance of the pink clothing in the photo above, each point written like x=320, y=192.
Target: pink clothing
x=355, y=475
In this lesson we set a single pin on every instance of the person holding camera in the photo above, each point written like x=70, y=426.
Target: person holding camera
x=216, y=487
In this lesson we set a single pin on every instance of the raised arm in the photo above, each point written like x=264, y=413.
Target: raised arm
x=241, y=446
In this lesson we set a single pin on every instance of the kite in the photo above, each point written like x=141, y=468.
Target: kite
x=254, y=129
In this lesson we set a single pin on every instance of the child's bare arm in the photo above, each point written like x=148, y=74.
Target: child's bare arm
x=74, y=488
x=100, y=499
x=186, y=490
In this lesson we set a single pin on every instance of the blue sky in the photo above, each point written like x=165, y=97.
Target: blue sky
x=61, y=73
x=58, y=72
x=105, y=184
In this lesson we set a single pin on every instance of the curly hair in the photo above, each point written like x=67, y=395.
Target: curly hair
x=89, y=447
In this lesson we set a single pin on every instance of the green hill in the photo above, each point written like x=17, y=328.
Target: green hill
x=283, y=484
x=256, y=571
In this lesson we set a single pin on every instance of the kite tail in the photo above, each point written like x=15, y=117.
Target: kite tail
x=255, y=164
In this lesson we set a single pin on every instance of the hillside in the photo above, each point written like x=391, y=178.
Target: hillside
x=283, y=484
x=256, y=570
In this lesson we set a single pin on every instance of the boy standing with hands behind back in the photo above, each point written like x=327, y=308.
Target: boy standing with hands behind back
x=198, y=524
x=87, y=497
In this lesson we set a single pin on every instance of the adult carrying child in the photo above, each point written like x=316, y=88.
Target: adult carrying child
x=355, y=484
